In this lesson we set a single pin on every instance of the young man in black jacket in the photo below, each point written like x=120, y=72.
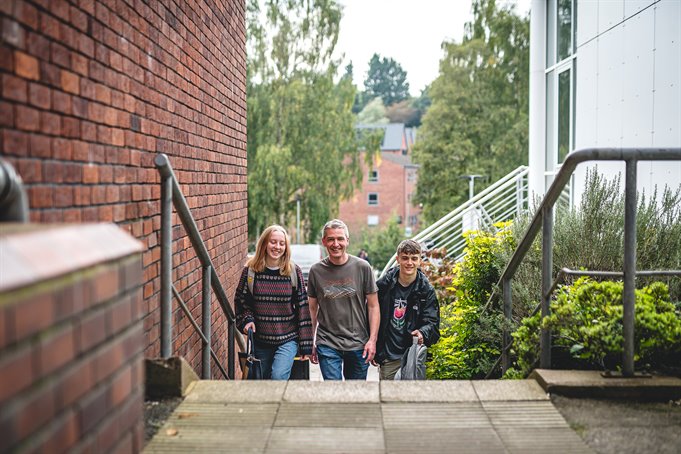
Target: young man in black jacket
x=409, y=308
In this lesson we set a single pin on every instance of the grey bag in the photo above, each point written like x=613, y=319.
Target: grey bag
x=413, y=362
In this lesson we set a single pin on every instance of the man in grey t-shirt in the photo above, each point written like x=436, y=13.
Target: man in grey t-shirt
x=343, y=299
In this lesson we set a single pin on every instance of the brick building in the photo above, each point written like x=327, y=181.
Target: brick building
x=90, y=92
x=388, y=187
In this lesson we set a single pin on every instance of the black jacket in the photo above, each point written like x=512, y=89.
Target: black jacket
x=423, y=310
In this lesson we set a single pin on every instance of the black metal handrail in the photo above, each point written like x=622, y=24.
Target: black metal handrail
x=543, y=218
x=171, y=195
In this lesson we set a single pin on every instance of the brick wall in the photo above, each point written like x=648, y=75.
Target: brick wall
x=92, y=90
x=71, y=360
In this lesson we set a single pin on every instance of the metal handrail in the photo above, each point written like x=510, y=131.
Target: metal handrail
x=449, y=227
x=543, y=218
x=171, y=195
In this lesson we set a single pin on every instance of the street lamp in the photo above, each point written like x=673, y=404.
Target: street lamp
x=471, y=183
x=298, y=218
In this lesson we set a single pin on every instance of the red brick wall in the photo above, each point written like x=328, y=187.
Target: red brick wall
x=92, y=90
x=393, y=189
x=71, y=359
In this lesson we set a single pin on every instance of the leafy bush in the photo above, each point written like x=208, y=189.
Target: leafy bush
x=380, y=244
x=470, y=338
x=587, y=332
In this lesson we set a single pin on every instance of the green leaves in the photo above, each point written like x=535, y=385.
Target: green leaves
x=301, y=138
x=586, y=320
x=478, y=120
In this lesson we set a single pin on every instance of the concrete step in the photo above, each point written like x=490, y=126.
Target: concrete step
x=366, y=417
x=591, y=383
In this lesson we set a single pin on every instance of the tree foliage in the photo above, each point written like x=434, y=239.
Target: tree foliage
x=387, y=80
x=478, y=119
x=301, y=139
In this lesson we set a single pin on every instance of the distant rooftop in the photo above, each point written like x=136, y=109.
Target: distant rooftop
x=396, y=136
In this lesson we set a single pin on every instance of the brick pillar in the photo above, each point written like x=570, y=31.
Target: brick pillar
x=71, y=339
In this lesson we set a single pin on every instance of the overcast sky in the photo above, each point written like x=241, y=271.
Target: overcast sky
x=408, y=31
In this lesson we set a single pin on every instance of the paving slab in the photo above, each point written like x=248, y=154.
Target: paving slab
x=224, y=414
x=332, y=391
x=255, y=391
x=407, y=416
x=227, y=439
x=328, y=415
x=509, y=390
x=523, y=414
x=326, y=440
x=428, y=391
x=542, y=440
x=590, y=383
x=424, y=439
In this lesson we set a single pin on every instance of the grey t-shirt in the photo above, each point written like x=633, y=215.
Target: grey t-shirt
x=341, y=292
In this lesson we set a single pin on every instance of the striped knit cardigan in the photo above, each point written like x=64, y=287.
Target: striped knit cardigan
x=279, y=312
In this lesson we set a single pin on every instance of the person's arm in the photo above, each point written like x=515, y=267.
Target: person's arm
x=430, y=320
x=374, y=322
x=242, y=303
x=314, y=308
x=305, y=327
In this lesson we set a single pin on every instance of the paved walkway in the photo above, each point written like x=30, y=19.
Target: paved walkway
x=366, y=417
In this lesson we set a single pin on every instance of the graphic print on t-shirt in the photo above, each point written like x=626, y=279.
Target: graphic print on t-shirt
x=399, y=310
x=338, y=289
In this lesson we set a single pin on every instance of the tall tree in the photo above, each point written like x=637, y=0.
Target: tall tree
x=301, y=139
x=478, y=119
x=386, y=79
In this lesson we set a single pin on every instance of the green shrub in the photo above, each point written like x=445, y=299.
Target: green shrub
x=470, y=338
x=587, y=333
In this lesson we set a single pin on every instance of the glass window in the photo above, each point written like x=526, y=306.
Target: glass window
x=372, y=219
x=564, y=115
x=373, y=176
x=373, y=198
x=564, y=29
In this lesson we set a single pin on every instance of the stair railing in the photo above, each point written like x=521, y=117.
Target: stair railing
x=171, y=195
x=543, y=219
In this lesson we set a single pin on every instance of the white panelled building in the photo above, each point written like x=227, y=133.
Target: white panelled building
x=604, y=73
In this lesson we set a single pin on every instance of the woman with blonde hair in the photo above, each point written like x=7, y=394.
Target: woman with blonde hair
x=274, y=305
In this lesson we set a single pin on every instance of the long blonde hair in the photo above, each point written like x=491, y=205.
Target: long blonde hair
x=257, y=262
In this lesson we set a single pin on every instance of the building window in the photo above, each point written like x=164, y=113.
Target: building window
x=411, y=176
x=373, y=198
x=373, y=176
x=561, y=26
x=372, y=219
x=413, y=220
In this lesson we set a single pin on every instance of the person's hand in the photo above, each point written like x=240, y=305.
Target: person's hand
x=374, y=363
x=304, y=357
x=313, y=357
x=369, y=351
x=250, y=325
x=418, y=334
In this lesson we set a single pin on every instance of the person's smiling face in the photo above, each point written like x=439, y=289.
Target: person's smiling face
x=276, y=246
x=336, y=244
x=409, y=264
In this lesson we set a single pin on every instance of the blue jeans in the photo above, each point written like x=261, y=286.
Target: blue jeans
x=276, y=361
x=332, y=362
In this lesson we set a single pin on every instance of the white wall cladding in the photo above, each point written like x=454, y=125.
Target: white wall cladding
x=628, y=82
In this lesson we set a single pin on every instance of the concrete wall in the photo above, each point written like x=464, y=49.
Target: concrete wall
x=92, y=90
x=71, y=361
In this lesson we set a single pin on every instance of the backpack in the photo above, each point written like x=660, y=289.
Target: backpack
x=251, y=278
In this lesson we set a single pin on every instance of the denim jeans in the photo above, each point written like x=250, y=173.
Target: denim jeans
x=336, y=364
x=276, y=360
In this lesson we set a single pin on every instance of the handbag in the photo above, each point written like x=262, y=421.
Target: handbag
x=413, y=362
x=300, y=370
x=251, y=368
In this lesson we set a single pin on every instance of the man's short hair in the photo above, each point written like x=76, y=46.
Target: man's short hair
x=409, y=247
x=335, y=224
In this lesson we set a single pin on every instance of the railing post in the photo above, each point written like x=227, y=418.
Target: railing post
x=546, y=280
x=508, y=316
x=629, y=296
x=231, y=330
x=206, y=319
x=166, y=266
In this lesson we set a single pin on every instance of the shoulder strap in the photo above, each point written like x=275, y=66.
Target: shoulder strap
x=251, y=277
